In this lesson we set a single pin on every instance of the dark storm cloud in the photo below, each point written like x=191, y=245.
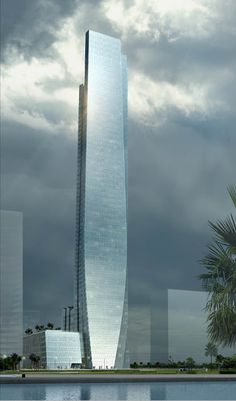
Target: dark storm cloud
x=38, y=178
x=177, y=181
x=180, y=59
x=180, y=163
x=31, y=26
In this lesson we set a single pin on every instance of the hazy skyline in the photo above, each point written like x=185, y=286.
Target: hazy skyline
x=182, y=139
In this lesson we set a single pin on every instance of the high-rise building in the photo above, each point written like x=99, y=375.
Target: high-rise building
x=101, y=235
x=11, y=282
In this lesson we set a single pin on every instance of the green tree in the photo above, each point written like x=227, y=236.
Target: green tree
x=220, y=280
x=219, y=359
x=40, y=327
x=134, y=365
x=15, y=360
x=37, y=360
x=229, y=362
x=50, y=326
x=189, y=362
x=28, y=331
x=34, y=360
x=211, y=350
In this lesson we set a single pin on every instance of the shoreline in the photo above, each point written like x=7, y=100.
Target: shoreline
x=117, y=378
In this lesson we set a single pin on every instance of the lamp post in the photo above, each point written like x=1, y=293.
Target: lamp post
x=65, y=320
x=69, y=318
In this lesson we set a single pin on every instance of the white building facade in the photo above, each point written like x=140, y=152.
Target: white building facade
x=56, y=349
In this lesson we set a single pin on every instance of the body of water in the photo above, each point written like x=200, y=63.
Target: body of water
x=120, y=391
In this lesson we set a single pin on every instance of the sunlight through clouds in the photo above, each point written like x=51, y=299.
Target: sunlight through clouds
x=151, y=101
x=54, y=80
x=27, y=84
x=172, y=18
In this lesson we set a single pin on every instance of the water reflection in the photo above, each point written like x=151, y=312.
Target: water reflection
x=158, y=392
x=120, y=391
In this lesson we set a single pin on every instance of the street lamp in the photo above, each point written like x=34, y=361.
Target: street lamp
x=70, y=309
x=65, y=319
x=4, y=357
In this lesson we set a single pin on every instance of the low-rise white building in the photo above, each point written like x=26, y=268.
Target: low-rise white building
x=56, y=349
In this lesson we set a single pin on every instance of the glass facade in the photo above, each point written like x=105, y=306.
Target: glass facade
x=57, y=349
x=171, y=329
x=101, y=235
x=11, y=282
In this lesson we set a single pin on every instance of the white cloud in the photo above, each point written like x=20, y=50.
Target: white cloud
x=24, y=83
x=151, y=100
x=70, y=47
x=150, y=18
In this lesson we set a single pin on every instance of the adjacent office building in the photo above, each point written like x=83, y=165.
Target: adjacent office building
x=101, y=221
x=139, y=334
x=187, y=326
x=172, y=329
x=56, y=349
x=11, y=282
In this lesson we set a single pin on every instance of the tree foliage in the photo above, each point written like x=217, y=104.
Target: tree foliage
x=220, y=279
x=211, y=350
x=35, y=359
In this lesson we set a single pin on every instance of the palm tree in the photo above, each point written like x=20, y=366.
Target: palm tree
x=190, y=363
x=28, y=331
x=50, y=326
x=34, y=360
x=40, y=327
x=211, y=350
x=15, y=360
x=220, y=280
x=37, y=360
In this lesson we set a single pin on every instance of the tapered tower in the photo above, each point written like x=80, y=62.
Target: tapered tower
x=101, y=221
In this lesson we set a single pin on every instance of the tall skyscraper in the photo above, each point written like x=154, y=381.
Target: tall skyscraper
x=11, y=282
x=101, y=234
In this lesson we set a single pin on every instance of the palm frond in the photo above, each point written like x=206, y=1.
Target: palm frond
x=226, y=232
x=222, y=326
x=232, y=193
x=219, y=280
x=221, y=267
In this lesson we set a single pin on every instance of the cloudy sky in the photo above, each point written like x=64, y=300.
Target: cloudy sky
x=182, y=142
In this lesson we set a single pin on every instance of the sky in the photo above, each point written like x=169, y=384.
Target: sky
x=182, y=78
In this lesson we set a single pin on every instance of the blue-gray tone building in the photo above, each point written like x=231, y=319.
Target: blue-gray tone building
x=57, y=349
x=11, y=282
x=101, y=235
